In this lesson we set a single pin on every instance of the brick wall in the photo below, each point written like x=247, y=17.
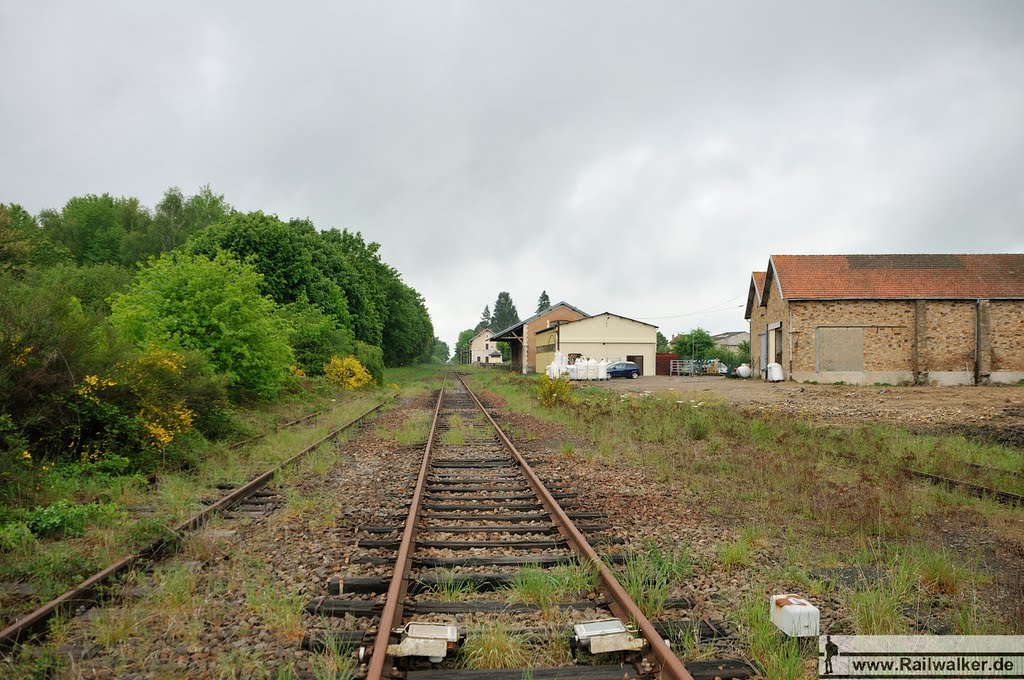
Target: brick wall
x=757, y=314
x=888, y=331
x=541, y=323
x=1006, y=340
x=929, y=341
x=948, y=345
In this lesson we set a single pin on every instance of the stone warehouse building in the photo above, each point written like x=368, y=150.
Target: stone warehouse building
x=895, y=319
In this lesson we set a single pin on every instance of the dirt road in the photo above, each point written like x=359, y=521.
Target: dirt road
x=993, y=413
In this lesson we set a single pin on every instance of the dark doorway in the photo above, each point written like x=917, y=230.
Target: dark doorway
x=637, y=359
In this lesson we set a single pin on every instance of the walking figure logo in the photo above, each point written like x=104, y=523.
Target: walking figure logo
x=831, y=649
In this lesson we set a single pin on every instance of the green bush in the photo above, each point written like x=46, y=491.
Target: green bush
x=15, y=536
x=191, y=302
x=315, y=336
x=65, y=518
x=372, y=359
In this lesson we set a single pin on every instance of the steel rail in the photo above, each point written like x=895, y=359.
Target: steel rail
x=967, y=487
x=1005, y=497
x=621, y=604
x=84, y=592
x=394, y=603
x=277, y=428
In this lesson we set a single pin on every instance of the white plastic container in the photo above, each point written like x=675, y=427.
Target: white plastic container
x=743, y=371
x=795, y=616
x=572, y=372
x=591, y=369
x=775, y=373
x=602, y=369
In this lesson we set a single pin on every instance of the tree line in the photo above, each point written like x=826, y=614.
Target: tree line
x=120, y=323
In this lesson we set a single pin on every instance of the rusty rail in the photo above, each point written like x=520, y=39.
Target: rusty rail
x=621, y=604
x=394, y=604
x=84, y=593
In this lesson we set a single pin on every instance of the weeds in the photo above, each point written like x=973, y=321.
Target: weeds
x=281, y=612
x=779, y=656
x=495, y=645
x=455, y=435
x=114, y=625
x=546, y=588
x=879, y=610
x=810, y=488
x=553, y=392
x=648, y=575
x=334, y=663
x=450, y=588
x=414, y=431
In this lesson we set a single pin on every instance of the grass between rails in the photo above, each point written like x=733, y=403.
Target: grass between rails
x=803, y=497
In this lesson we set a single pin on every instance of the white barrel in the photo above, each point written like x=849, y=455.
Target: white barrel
x=743, y=370
x=774, y=372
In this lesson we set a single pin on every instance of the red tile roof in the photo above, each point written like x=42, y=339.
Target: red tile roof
x=759, y=283
x=888, y=277
x=756, y=290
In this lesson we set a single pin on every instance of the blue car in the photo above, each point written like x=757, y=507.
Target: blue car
x=623, y=369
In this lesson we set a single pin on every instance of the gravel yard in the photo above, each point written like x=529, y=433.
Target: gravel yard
x=992, y=412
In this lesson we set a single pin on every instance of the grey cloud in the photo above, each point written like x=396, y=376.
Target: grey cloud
x=483, y=143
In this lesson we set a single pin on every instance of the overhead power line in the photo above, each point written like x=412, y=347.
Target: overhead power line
x=719, y=307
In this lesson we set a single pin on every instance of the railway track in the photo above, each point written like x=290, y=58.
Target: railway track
x=479, y=522
x=970, y=488
x=251, y=497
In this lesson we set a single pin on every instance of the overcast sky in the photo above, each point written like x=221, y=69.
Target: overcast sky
x=634, y=157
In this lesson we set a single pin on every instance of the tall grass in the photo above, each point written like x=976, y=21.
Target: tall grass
x=495, y=645
x=649, y=574
x=780, y=657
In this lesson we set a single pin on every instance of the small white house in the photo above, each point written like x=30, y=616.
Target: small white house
x=483, y=350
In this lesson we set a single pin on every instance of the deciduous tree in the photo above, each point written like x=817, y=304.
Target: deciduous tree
x=462, y=345
x=188, y=301
x=697, y=344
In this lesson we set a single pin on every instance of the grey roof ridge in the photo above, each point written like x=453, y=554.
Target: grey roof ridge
x=539, y=314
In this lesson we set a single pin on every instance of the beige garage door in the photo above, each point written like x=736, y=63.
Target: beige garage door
x=840, y=349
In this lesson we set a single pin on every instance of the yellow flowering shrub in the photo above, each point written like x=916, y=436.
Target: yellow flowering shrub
x=141, y=410
x=347, y=373
x=93, y=387
x=18, y=354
